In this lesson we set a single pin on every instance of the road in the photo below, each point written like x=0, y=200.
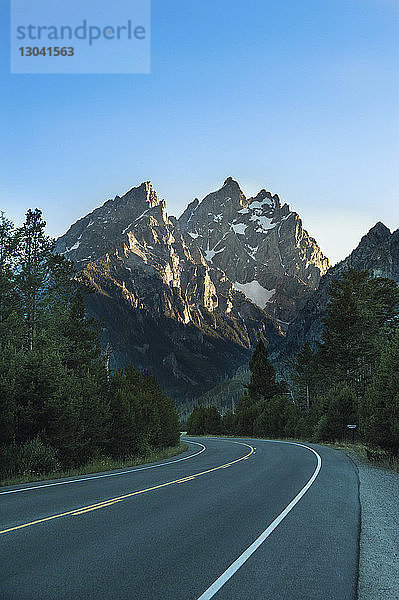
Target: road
x=235, y=520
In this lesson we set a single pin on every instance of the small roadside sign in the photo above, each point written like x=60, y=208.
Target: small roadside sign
x=352, y=428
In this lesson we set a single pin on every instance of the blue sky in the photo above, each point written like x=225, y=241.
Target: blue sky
x=300, y=97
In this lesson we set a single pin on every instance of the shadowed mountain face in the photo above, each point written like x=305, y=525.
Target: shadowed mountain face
x=162, y=304
x=260, y=245
x=377, y=252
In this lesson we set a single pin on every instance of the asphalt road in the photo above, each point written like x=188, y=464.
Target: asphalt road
x=278, y=522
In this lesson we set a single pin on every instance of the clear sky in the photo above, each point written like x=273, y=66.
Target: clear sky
x=300, y=97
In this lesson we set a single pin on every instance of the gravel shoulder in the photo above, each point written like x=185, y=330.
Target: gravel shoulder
x=379, y=538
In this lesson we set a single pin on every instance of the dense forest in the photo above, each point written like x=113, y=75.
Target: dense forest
x=350, y=378
x=60, y=407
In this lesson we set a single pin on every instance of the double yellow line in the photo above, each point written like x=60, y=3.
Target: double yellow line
x=111, y=501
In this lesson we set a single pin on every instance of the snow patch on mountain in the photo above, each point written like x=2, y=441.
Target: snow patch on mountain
x=239, y=228
x=264, y=222
x=255, y=292
x=209, y=254
x=257, y=204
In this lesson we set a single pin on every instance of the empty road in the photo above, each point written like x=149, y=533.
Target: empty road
x=239, y=519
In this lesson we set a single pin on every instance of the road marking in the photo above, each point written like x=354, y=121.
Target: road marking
x=233, y=568
x=67, y=482
x=186, y=479
x=86, y=510
x=111, y=501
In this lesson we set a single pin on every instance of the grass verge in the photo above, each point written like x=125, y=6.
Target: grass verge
x=376, y=457
x=100, y=465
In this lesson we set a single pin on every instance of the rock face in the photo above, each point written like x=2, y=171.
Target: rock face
x=377, y=252
x=261, y=246
x=163, y=305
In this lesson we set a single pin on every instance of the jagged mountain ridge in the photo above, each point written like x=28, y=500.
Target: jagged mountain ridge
x=163, y=305
x=261, y=246
x=377, y=252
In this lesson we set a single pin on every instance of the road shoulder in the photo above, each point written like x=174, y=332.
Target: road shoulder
x=379, y=537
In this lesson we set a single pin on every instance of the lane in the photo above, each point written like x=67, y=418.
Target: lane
x=125, y=496
x=105, y=475
x=257, y=543
x=314, y=552
x=174, y=542
x=40, y=501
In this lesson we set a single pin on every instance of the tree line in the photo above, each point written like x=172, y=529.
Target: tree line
x=351, y=377
x=60, y=406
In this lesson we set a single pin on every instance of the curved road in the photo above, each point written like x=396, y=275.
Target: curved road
x=229, y=519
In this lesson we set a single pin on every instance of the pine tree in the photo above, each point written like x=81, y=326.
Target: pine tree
x=339, y=409
x=361, y=313
x=11, y=326
x=33, y=272
x=273, y=417
x=380, y=411
x=303, y=376
x=246, y=413
x=263, y=383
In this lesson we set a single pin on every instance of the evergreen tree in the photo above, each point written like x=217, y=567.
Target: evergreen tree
x=339, y=409
x=263, y=383
x=303, y=376
x=204, y=421
x=380, y=411
x=58, y=404
x=33, y=273
x=361, y=312
x=273, y=417
x=229, y=423
x=246, y=413
x=11, y=327
x=196, y=421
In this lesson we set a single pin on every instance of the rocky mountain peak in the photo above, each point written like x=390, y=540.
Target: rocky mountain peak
x=260, y=244
x=377, y=234
x=143, y=196
x=99, y=232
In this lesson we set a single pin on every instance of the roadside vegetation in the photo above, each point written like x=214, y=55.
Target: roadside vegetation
x=100, y=465
x=61, y=409
x=350, y=378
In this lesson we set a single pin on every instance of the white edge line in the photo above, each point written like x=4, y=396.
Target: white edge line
x=233, y=568
x=45, y=485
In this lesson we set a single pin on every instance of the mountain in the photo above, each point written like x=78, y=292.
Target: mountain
x=377, y=252
x=189, y=298
x=261, y=246
x=162, y=304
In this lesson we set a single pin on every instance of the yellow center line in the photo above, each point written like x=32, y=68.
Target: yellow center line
x=186, y=479
x=86, y=510
x=105, y=503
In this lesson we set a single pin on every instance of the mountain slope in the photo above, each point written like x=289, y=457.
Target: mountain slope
x=377, y=252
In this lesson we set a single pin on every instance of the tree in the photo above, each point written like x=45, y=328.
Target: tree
x=59, y=405
x=263, y=383
x=229, y=423
x=303, y=376
x=361, y=313
x=380, y=411
x=10, y=306
x=339, y=409
x=273, y=417
x=247, y=410
x=204, y=421
x=33, y=272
